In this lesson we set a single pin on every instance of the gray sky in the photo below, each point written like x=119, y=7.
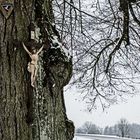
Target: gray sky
x=76, y=111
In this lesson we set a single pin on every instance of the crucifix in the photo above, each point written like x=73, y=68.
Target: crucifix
x=33, y=66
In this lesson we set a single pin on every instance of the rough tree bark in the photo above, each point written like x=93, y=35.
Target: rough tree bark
x=28, y=113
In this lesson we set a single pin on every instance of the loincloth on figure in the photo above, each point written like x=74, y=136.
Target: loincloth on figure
x=30, y=65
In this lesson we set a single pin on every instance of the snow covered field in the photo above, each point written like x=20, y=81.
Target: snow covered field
x=80, y=138
x=98, y=137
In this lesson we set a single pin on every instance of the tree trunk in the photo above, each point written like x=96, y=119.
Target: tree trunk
x=28, y=113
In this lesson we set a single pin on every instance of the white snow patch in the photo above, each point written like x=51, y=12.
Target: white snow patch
x=98, y=137
x=61, y=46
x=53, y=85
x=80, y=138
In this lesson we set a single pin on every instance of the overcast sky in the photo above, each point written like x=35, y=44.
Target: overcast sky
x=76, y=111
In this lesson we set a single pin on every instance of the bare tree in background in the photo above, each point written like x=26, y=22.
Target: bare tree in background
x=104, y=36
x=89, y=128
x=123, y=127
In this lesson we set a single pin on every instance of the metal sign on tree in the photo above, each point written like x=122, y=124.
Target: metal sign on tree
x=6, y=7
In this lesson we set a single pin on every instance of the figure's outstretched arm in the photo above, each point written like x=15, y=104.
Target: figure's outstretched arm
x=40, y=49
x=26, y=49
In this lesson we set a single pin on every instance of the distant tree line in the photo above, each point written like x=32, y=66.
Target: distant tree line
x=123, y=129
x=89, y=128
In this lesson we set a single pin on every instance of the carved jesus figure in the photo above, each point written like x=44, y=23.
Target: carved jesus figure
x=32, y=66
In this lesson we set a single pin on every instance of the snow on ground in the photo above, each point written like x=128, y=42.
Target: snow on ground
x=99, y=137
x=80, y=138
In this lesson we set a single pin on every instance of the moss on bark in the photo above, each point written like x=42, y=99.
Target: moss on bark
x=27, y=113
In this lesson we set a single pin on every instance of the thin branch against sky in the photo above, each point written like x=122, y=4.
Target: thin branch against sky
x=105, y=38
